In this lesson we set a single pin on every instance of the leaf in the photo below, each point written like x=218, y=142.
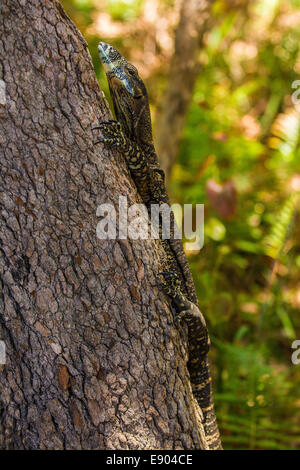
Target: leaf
x=223, y=198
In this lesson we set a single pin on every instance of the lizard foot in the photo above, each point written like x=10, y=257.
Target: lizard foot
x=182, y=315
x=112, y=134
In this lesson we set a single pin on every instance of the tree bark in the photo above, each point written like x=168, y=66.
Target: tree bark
x=93, y=360
x=184, y=69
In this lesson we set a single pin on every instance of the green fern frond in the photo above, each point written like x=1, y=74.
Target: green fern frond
x=274, y=242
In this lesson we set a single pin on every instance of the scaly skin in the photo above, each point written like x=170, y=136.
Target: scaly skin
x=131, y=133
x=199, y=344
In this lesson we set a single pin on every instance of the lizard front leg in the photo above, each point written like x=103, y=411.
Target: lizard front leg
x=114, y=136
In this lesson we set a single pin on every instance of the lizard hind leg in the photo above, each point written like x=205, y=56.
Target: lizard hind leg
x=171, y=285
x=181, y=315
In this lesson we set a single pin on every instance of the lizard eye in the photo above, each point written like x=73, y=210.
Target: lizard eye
x=132, y=70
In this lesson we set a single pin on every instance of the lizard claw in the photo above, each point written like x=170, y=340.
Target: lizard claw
x=112, y=133
x=110, y=121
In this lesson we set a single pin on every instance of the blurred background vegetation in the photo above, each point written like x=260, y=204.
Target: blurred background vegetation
x=236, y=151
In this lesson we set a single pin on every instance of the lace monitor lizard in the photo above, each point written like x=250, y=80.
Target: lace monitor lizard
x=131, y=133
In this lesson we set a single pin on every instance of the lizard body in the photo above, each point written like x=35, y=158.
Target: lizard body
x=132, y=134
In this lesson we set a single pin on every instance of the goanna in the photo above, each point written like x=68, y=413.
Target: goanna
x=131, y=132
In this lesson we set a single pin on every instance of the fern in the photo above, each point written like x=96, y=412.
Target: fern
x=247, y=400
x=274, y=242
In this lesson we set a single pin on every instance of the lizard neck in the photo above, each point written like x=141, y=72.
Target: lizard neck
x=134, y=115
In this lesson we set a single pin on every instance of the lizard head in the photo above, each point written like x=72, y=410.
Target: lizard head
x=126, y=73
x=128, y=92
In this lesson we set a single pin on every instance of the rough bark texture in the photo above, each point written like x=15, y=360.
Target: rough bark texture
x=184, y=69
x=93, y=358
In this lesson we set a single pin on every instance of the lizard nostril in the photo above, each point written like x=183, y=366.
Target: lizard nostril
x=103, y=45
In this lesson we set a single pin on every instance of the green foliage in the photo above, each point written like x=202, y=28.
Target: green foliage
x=249, y=391
x=124, y=10
x=245, y=127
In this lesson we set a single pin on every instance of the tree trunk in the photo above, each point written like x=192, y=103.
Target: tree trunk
x=184, y=69
x=93, y=360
